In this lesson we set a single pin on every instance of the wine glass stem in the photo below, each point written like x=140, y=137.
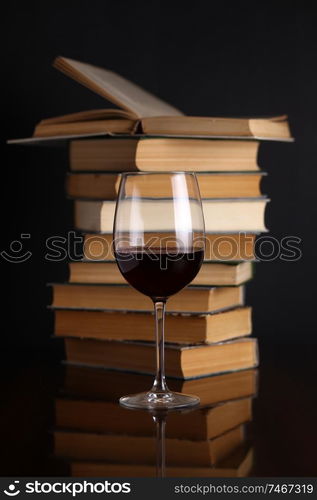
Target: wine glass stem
x=159, y=382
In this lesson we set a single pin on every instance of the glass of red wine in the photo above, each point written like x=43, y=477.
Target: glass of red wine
x=159, y=248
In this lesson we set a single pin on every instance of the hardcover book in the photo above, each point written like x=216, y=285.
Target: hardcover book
x=94, y=383
x=210, y=274
x=140, y=326
x=211, y=185
x=221, y=215
x=182, y=361
x=148, y=154
x=223, y=247
x=192, y=299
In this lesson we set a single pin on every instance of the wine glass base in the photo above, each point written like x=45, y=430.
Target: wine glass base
x=159, y=400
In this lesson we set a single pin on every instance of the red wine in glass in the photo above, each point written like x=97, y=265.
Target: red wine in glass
x=156, y=273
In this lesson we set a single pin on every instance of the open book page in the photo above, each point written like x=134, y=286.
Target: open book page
x=90, y=115
x=116, y=89
x=108, y=126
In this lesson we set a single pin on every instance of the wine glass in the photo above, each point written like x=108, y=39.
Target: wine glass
x=159, y=248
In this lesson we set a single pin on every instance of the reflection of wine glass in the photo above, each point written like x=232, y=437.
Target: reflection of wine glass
x=159, y=248
x=159, y=418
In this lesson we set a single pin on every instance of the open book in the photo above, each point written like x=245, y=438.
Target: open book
x=143, y=113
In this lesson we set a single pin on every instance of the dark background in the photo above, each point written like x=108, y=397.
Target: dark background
x=247, y=59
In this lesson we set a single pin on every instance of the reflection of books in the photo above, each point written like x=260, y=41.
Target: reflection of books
x=101, y=416
x=95, y=436
x=142, y=449
x=138, y=326
x=96, y=383
x=125, y=298
x=184, y=361
x=239, y=464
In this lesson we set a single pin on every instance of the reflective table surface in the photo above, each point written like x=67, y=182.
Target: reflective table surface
x=65, y=420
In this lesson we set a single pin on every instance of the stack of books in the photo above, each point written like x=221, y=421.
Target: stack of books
x=94, y=436
x=104, y=321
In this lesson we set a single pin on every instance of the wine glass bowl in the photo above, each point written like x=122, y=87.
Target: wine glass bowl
x=159, y=248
